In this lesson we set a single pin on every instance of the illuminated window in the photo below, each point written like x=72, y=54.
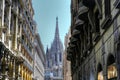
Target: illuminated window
x=100, y=75
x=112, y=72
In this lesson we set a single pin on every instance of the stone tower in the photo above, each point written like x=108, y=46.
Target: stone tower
x=54, y=56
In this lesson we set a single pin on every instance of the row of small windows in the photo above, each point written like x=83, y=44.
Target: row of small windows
x=25, y=54
x=24, y=39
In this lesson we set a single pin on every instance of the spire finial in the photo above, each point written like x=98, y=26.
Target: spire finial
x=57, y=30
x=47, y=49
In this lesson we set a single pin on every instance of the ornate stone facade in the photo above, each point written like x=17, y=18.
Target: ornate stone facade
x=17, y=30
x=39, y=59
x=66, y=63
x=95, y=36
x=54, y=58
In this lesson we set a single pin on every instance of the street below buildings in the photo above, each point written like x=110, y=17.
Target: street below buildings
x=60, y=40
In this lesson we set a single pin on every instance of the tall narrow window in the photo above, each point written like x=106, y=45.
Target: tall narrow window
x=107, y=8
x=97, y=21
x=55, y=58
x=60, y=57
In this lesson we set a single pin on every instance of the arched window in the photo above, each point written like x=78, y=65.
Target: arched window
x=100, y=73
x=60, y=57
x=111, y=68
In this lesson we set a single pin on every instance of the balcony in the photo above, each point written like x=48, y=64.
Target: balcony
x=28, y=22
x=28, y=37
x=82, y=12
x=78, y=24
x=23, y=60
x=27, y=49
x=76, y=33
x=72, y=39
x=28, y=65
x=20, y=57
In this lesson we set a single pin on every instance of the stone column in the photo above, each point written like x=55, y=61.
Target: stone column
x=3, y=68
x=22, y=72
x=2, y=24
x=10, y=69
x=14, y=68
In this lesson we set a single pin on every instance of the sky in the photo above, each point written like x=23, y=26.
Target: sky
x=45, y=15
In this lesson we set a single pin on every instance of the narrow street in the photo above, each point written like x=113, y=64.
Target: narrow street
x=59, y=39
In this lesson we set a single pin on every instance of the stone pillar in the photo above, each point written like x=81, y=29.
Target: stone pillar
x=14, y=68
x=10, y=74
x=1, y=58
x=22, y=72
x=3, y=68
x=25, y=73
x=9, y=35
x=2, y=25
x=3, y=8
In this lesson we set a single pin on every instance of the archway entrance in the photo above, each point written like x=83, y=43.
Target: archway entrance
x=111, y=68
x=100, y=73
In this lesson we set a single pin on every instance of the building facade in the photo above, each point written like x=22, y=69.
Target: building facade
x=94, y=47
x=66, y=63
x=39, y=59
x=54, y=58
x=17, y=31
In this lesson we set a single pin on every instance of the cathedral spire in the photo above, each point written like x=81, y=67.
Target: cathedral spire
x=47, y=49
x=57, y=30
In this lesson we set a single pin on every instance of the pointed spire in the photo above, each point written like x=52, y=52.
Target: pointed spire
x=57, y=30
x=47, y=49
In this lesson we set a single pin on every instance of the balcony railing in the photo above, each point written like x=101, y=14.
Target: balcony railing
x=28, y=65
x=26, y=48
x=28, y=37
x=28, y=22
x=82, y=11
x=25, y=61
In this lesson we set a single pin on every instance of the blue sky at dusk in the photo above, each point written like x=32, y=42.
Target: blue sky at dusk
x=46, y=12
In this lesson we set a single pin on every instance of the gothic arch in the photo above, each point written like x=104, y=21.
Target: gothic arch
x=110, y=59
x=100, y=72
